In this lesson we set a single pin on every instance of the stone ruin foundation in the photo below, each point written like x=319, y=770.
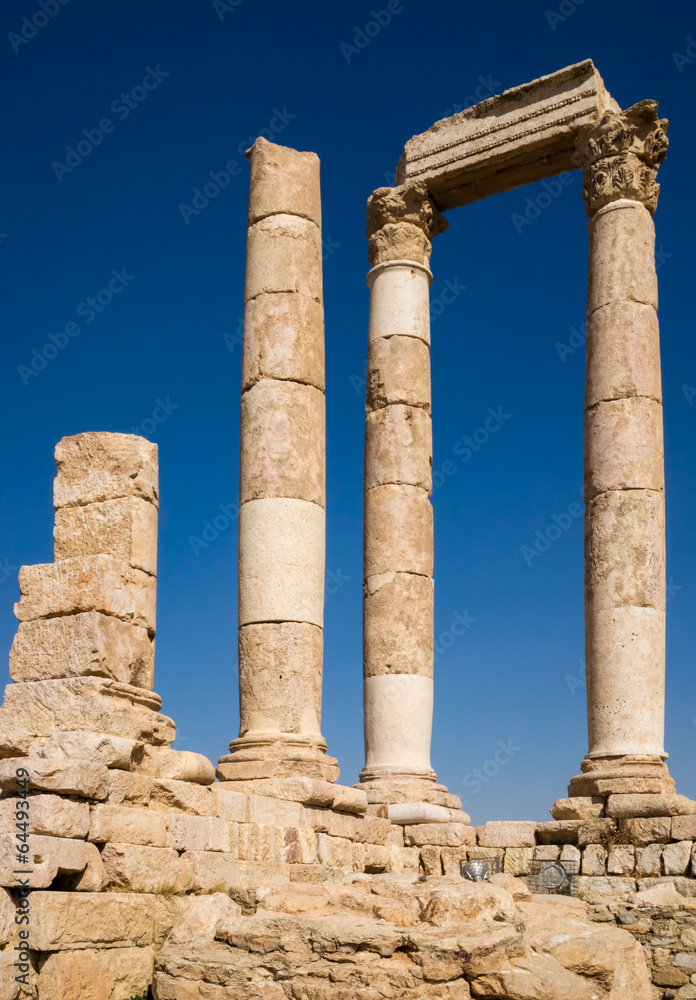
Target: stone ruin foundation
x=129, y=869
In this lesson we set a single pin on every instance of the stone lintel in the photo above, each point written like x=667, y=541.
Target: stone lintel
x=518, y=137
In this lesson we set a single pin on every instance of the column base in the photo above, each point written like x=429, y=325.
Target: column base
x=630, y=786
x=386, y=786
x=277, y=755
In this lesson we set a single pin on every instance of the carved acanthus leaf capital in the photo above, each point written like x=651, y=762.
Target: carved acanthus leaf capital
x=620, y=154
x=401, y=222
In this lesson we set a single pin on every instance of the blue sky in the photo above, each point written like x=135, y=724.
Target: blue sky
x=186, y=87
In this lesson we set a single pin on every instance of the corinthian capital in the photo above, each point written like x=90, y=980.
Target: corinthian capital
x=620, y=154
x=401, y=222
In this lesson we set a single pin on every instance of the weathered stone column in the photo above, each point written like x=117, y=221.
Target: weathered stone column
x=398, y=547
x=282, y=477
x=624, y=476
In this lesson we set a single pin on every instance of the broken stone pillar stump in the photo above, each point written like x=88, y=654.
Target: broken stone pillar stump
x=625, y=591
x=282, y=478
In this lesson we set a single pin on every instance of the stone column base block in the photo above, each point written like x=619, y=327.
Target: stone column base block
x=91, y=703
x=281, y=561
x=398, y=531
x=283, y=180
x=100, y=466
x=398, y=371
x=96, y=974
x=398, y=723
x=440, y=834
x=180, y=765
x=280, y=673
x=65, y=777
x=623, y=350
x=88, y=583
x=625, y=550
x=623, y=446
x=133, y=868
x=284, y=254
x=411, y=813
x=622, y=263
x=400, y=300
x=83, y=644
x=504, y=834
x=637, y=805
x=66, y=920
x=625, y=683
x=283, y=339
x=101, y=748
x=125, y=528
x=398, y=447
x=47, y=858
x=229, y=768
x=398, y=643
x=281, y=425
x=581, y=807
x=386, y=788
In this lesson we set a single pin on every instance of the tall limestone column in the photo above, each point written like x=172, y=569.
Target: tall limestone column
x=398, y=546
x=624, y=773
x=282, y=477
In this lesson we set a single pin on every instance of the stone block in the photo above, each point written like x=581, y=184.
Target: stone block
x=622, y=268
x=380, y=859
x=621, y=860
x=67, y=777
x=579, y=807
x=595, y=831
x=308, y=791
x=684, y=886
x=197, y=833
x=398, y=371
x=398, y=447
x=125, y=528
x=449, y=859
x=430, y=859
x=283, y=427
x=169, y=795
x=639, y=806
x=134, y=789
x=62, y=921
x=350, y=800
x=562, y=831
x=571, y=853
x=47, y=857
x=647, y=830
x=7, y=917
x=623, y=446
x=100, y=748
x=400, y=643
x=328, y=821
x=283, y=181
x=610, y=887
x=623, y=349
x=46, y=815
x=297, y=846
x=442, y=834
x=84, y=644
x=134, y=868
x=335, y=851
x=127, y=825
x=85, y=703
x=283, y=254
x=180, y=765
x=594, y=860
x=395, y=836
x=110, y=974
x=93, y=878
x=229, y=805
x=547, y=852
x=213, y=872
x=398, y=531
x=267, y=811
x=88, y=583
x=358, y=857
x=374, y=830
x=504, y=834
x=283, y=339
x=676, y=858
x=517, y=860
x=684, y=828
x=648, y=860
x=94, y=467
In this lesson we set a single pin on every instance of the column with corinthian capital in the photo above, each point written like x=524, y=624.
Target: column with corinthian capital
x=624, y=772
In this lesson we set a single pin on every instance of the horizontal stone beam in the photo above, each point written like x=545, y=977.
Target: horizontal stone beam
x=518, y=137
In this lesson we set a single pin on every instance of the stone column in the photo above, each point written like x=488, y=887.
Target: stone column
x=282, y=477
x=624, y=476
x=398, y=547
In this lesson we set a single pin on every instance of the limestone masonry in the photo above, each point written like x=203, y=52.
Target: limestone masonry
x=131, y=870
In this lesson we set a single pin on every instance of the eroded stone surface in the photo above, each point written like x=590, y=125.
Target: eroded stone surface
x=99, y=466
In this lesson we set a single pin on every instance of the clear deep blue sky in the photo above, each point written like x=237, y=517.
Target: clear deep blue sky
x=171, y=334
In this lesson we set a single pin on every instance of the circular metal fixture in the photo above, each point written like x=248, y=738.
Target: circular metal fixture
x=475, y=871
x=553, y=876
